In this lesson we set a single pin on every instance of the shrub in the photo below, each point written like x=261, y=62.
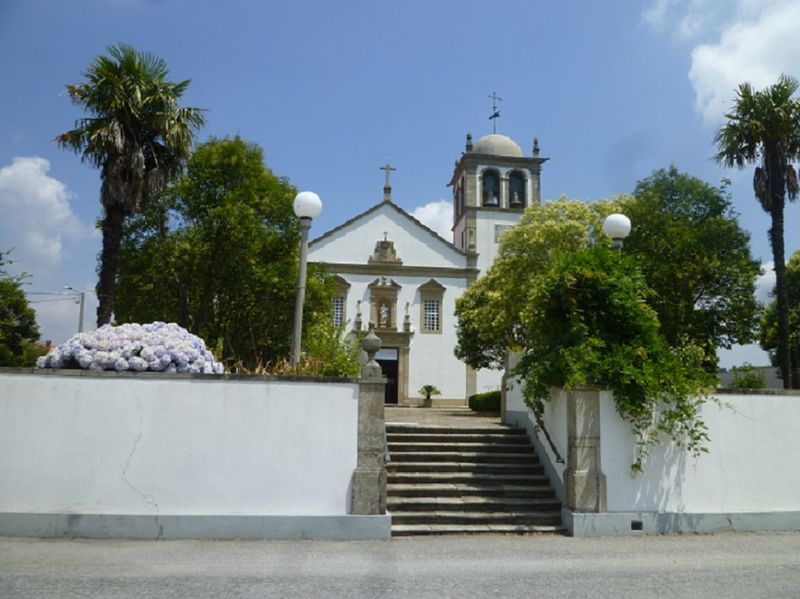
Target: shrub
x=485, y=402
x=747, y=377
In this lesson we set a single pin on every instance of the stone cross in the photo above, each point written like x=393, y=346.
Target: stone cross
x=388, y=169
x=387, y=188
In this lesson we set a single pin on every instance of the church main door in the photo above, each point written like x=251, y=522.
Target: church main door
x=387, y=357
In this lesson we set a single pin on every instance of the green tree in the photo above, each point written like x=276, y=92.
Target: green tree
x=763, y=128
x=137, y=136
x=696, y=258
x=768, y=335
x=495, y=310
x=218, y=254
x=590, y=324
x=18, y=328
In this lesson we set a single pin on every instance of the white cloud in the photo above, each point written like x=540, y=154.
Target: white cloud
x=438, y=216
x=36, y=216
x=735, y=41
x=765, y=283
x=756, y=51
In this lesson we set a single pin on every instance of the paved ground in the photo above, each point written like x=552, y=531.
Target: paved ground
x=456, y=417
x=702, y=566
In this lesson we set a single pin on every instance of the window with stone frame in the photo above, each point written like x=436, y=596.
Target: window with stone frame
x=339, y=301
x=432, y=315
x=431, y=295
x=337, y=309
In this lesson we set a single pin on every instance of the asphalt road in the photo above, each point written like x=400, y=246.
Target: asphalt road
x=703, y=566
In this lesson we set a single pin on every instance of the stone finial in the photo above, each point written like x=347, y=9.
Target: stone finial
x=535, y=147
x=371, y=344
x=469, y=142
x=407, y=321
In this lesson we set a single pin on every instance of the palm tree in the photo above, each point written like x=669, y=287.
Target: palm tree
x=764, y=129
x=137, y=135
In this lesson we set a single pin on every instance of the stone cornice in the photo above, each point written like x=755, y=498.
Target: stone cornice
x=389, y=270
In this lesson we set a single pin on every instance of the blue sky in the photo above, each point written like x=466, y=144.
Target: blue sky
x=333, y=90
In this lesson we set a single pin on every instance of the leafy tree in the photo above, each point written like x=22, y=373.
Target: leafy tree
x=590, y=324
x=18, y=329
x=137, y=136
x=763, y=128
x=768, y=336
x=495, y=310
x=696, y=258
x=218, y=254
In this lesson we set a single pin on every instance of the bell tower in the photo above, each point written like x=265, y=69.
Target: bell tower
x=493, y=183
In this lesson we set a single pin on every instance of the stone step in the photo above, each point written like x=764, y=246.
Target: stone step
x=472, y=504
x=452, y=447
x=475, y=467
x=494, y=439
x=449, y=489
x=417, y=429
x=403, y=530
x=552, y=518
x=465, y=457
x=477, y=478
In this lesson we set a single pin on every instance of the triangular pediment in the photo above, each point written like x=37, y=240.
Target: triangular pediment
x=383, y=234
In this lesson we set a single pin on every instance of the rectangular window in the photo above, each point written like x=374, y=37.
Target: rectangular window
x=338, y=311
x=431, y=316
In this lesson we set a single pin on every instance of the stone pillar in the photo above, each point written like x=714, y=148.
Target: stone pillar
x=369, y=477
x=584, y=481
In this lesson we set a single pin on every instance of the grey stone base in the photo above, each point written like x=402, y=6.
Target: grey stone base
x=140, y=526
x=631, y=523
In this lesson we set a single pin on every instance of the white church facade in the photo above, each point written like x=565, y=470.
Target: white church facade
x=393, y=270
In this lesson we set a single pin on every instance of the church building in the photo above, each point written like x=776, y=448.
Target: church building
x=392, y=270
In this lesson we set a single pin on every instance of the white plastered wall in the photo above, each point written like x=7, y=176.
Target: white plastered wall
x=180, y=445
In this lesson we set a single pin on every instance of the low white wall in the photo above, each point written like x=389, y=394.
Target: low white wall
x=751, y=465
x=139, y=444
x=749, y=479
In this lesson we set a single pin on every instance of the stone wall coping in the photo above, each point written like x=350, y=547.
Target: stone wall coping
x=105, y=374
x=731, y=391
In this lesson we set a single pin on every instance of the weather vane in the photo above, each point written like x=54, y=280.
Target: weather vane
x=495, y=112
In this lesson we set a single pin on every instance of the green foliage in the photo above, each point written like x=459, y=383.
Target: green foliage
x=138, y=137
x=218, y=254
x=746, y=377
x=696, y=258
x=427, y=390
x=485, y=402
x=18, y=329
x=495, y=310
x=768, y=334
x=591, y=325
x=330, y=352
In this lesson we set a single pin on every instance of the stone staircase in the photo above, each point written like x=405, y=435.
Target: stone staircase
x=446, y=480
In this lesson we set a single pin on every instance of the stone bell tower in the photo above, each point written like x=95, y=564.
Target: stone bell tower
x=492, y=184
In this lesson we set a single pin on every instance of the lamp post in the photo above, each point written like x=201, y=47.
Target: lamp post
x=82, y=300
x=617, y=227
x=307, y=207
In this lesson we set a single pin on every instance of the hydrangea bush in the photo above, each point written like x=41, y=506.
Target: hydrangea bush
x=156, y=347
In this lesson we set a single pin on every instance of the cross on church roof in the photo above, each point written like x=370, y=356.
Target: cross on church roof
x=495, y=112
x=387, y=187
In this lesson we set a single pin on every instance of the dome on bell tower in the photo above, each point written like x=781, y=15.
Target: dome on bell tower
x=495, y=144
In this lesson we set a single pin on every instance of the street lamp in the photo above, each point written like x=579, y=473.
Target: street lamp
x=307, y=206
x=80, y=299
x=617, y=227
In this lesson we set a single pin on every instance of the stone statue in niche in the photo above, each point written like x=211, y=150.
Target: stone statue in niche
x=383, y=312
